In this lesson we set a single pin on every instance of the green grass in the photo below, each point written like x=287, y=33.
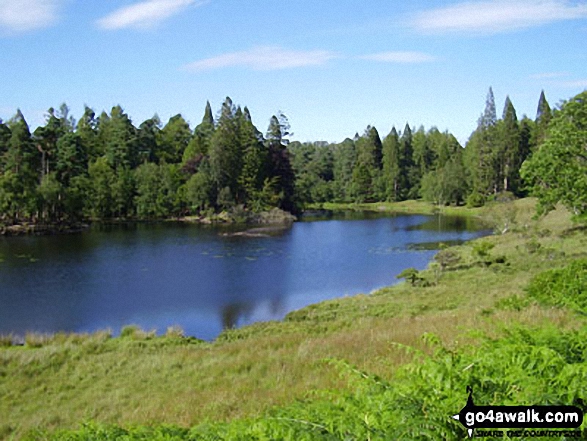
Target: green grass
x=253, y=377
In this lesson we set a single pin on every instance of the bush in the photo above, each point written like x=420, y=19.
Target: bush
x=475, y=200
x=565, y=287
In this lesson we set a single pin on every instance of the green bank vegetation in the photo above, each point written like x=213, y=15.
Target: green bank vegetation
x=393, y=364
x=504, y=314
x=101, y=167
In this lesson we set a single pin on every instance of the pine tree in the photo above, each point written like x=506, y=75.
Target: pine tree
x=509, y=157
x=118, y=138
x=391, y=165
x=200, y=142
x=147, y=140
x=226, y=153
x=87, y=130
x=255, y=161
x=367, y=170
x=173, y=140
x=406, y=164
x=22, y=168
x=543, y=118
x=281, y=174
x=482, y=155
x=344, y=160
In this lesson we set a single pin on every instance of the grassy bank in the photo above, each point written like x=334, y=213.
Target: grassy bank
x=404, y=207
x=253, y=377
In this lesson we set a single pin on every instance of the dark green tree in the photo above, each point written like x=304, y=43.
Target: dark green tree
x=391, y=166
x=344, y=158
x=509, y=157
x=200, y=142
x=148, y=135
x=557, y=171
x=543, y=118
x=281, y=175
x=226, y=153
x=173, y=140
x=22, y=167
x=118, y=138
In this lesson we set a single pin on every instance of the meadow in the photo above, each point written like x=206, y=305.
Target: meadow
x=504, y=314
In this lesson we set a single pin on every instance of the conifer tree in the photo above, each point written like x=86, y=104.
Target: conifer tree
x=226, y=153
x=543, y=117
x=21, y=170
x=406, y=164
x=255, y=161
x=509, y=155
x=281, y=174
x=200, y=142
x=391, y=165
x=173, y=140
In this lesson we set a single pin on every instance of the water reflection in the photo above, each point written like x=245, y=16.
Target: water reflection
x=200, y=277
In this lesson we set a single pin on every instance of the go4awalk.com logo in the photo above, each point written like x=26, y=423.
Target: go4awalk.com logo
x=520, y=419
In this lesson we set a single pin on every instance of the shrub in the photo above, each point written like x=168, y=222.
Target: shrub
x=562, y=287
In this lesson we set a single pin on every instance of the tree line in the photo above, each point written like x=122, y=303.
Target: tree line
x=103, y=167
x=417, y=163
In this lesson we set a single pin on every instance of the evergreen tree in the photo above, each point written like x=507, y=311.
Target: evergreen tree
x=406, y=165
x=482, y=155
x=255, y=160
x=344, y=158
x=87, y=130
x=148, y=135
x=101, y=182
x=119, y=139
x=391, y=165
x=543, y=118
x=173, y=140
x=281, y=175
x=4, y=137
x=509, y=155
x=21, y=170
x=200, y=142
x=226, y=153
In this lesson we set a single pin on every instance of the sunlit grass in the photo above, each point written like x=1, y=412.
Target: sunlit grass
x=62, y=380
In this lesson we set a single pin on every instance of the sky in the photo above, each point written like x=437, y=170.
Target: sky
x=332, y=67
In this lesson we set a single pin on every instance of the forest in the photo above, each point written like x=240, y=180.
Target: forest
x=104, y=167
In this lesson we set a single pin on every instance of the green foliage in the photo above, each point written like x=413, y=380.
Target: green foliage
x=565, y=287
x=557, y=172
x=482, y=248
x=528, y=366
x=410, y=274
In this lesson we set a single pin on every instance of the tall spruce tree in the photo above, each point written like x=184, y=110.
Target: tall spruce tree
x=509, y=156
x=226, y=154
x=543, y=118
x=200, y=142
x=391, y=165
x=281, y=174
x=482, y=155
x=21, y=170
x=406, y=164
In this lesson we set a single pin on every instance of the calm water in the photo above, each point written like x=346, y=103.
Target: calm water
x=158, y=275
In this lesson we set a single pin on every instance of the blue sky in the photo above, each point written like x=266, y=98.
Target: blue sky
x=332, y=67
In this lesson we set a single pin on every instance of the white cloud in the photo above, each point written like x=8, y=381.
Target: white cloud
x=402, y=57
x=145, y=14
x=495, y=16
x=17, y=16
x=263, y=58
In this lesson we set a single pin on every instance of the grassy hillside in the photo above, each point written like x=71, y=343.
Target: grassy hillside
x=375, y=366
